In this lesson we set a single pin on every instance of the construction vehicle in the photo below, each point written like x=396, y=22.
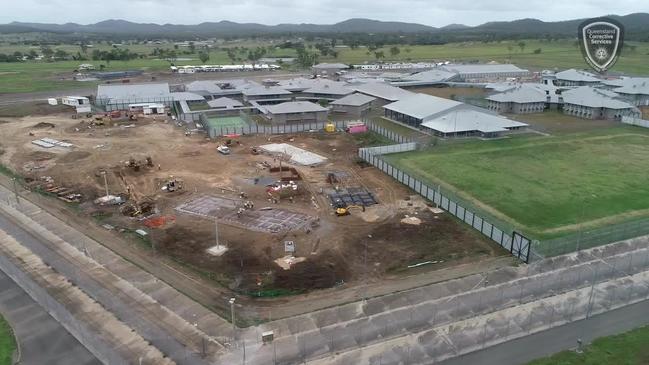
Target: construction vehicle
x=342, y=209
x=173, y=184
x=330, y=128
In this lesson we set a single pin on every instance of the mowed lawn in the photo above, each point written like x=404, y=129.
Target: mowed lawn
x=549, y=185
x=629, y=348
x=7, y=343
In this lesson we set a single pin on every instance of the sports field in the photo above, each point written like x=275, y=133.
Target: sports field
x=548, y=186
x=226, y=122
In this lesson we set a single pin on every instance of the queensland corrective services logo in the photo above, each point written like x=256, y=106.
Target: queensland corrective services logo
x=601, y=41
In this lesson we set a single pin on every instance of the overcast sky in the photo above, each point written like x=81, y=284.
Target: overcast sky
x=430, y=12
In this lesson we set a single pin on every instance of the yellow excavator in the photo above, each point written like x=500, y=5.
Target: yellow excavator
x=343, y=210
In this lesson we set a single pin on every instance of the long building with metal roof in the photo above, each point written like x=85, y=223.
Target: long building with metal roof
x=592, y=103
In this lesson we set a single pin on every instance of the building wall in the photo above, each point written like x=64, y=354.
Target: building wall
x=491, y=75
x=559, y=82
x=516, y=108
x=352, y=111
x=599, y=113
x=403, y=118
x=637, y=100
x=286, y=118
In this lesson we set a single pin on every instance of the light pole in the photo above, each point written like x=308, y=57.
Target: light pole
x=13, y=179
x=103, y=173
x=234, y=327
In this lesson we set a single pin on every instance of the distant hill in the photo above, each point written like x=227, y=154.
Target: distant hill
x=635, y=23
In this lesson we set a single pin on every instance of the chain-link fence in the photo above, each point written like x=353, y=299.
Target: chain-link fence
x=495, y=229
x=587, y=238
x=272, y=129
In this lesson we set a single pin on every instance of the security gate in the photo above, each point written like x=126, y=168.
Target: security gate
x=521, y=247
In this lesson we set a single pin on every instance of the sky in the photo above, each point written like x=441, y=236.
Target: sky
x=429, y=12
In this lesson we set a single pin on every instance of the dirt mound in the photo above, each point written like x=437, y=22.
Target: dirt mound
x=42, y=125
x=41, y=156
x=322, y=272
x=73, y=156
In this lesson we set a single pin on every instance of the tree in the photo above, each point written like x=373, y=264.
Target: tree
x=84, y=47
x=394, y=51
x=538, y=51
x=60, y=54
x=379, y=55
x=47, y=51
x=192, y=47
x=510, y=48
x=203, y=56
x=521, y=45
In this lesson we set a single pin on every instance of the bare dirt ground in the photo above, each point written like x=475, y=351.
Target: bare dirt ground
x=337, y=251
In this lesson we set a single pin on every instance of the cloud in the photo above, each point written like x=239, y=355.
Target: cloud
x=429, y=12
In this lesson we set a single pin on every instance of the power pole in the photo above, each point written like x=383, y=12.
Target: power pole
x=105, y=182
x=16, y=189
x=234, y=327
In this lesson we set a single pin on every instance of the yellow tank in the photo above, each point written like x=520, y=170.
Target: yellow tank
x=330, y=128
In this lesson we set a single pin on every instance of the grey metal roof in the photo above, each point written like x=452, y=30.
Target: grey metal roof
x=265, y=90
x=294, y=107
x=334, y=89
x=186, y=96
x=224, y=103
x=467, y=120
x=330, y=65
x=577, y=76
x=355, y=99
x=382, y=90
x=133, y=91
x=634, y=86
x=484, y=69
x=520, y=94
x=425, y=78
x=422, y=106
x=593, y=98
x=203, y=85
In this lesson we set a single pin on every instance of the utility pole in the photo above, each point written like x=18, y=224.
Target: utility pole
x=103, y=173
x=234, y=326
x=216, y=232
x=16, y=189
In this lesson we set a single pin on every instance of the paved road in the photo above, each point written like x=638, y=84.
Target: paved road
x=148, y=320
x=557, y=339
x=42, y=339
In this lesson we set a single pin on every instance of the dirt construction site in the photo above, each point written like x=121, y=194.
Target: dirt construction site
x=280, y=214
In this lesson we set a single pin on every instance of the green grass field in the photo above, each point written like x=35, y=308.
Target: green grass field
x=548, y=186
x=35, y=76
x=226, y=122
x=629, y=348
x=7, y=343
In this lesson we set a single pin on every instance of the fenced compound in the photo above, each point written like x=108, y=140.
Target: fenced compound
x=514, y=242
x=217, y=131
x=391, y=135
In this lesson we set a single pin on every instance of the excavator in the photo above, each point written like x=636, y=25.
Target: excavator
x=342, y=209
